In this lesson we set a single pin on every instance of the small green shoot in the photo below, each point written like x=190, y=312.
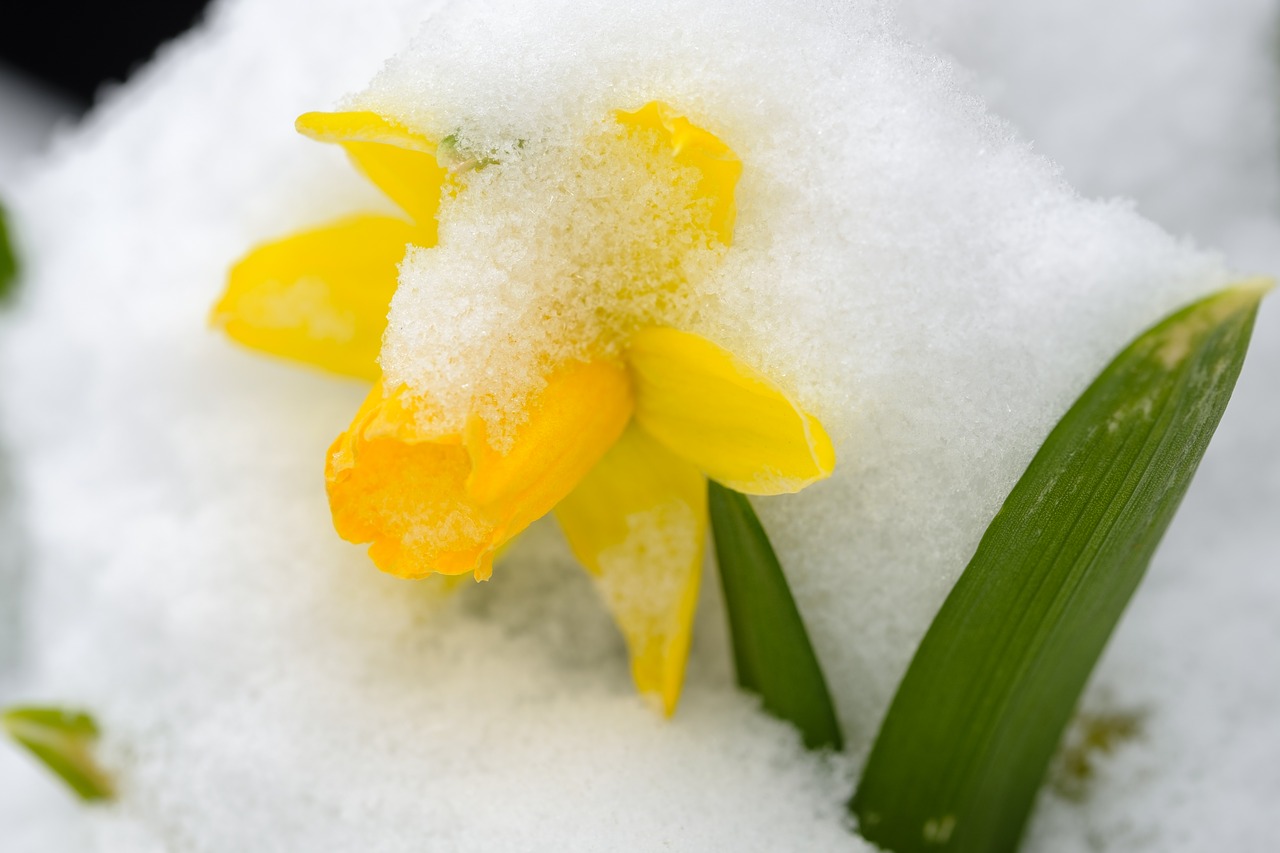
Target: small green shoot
x=62, y=740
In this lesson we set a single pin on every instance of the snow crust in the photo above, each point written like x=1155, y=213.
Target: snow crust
x=904, y=263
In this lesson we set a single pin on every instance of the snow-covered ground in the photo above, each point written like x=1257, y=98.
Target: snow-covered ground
x=263, y=687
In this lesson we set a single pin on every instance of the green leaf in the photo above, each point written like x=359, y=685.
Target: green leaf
x=771, y=649
x=977, y=718
x=8, y=262
x=61, y=739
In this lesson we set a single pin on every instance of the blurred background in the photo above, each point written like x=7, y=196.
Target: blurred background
x=56, y=57
x=76, y=48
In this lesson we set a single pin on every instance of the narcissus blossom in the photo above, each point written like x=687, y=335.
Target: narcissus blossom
x=616, y=438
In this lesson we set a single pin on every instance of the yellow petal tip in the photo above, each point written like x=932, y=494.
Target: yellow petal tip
x=659, y=702
x=725, y=417
x=360, y=126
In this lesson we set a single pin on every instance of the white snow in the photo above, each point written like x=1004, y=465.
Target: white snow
x=904, y=263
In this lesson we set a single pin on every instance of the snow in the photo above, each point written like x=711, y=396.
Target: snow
x=905, y=263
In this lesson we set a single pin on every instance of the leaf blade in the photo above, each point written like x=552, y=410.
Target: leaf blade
x=772, y=652
x=966, y=742
x=8, y=261
x=61, y=739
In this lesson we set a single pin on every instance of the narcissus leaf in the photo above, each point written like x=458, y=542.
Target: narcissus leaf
x=977, y=718
x=61, y=739
x=771, y=648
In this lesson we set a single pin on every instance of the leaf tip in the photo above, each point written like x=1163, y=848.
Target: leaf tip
x=61, y=739
x=1252, y=289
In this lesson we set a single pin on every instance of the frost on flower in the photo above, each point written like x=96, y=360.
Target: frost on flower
x=557, y=376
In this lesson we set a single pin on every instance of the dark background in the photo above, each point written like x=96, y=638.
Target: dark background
x=76, y=47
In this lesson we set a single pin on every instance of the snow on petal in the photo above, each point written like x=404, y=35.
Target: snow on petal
x=693, y=146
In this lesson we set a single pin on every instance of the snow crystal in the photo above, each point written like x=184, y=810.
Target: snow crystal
x=554, y=254
x=903, y=263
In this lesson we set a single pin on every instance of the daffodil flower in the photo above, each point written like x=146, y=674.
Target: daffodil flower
x=618, y=444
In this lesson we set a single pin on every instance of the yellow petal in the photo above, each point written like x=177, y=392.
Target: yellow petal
x=729, y=420
x=431, y=502
x=570, y=425
x=700, y=149
x=401, y=163
x=638, y=523
x=319, y=296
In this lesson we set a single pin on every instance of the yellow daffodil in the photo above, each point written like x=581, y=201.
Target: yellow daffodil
x=618, y=443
